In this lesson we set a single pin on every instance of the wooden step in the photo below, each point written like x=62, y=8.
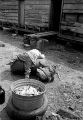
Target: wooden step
x=43, y=34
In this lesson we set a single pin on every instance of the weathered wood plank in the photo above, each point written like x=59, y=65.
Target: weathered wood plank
x=37, y=7
x=73, y=11
x=37, y=12
x=73, y=1
x=9, y=11
x=10, y=20
x=73, y=6
x=42, y=2
x=70, y=17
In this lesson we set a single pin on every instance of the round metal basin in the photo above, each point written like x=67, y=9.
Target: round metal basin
x=28, y=103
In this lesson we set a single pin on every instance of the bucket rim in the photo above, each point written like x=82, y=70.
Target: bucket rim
x=18, y=83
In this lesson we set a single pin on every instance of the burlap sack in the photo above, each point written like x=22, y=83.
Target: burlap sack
x=46, y=74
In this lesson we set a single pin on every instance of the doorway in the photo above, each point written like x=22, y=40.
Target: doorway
x=55, y=15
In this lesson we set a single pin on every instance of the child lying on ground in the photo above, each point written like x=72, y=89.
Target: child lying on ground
x=33, y=63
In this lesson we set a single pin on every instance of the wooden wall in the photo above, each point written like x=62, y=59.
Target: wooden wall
x=37, y=12
x=73, y=10
x=9, y=11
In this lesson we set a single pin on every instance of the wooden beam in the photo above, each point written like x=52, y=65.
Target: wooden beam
x=21, y=15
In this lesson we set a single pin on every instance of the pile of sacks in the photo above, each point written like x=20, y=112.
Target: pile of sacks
x=33, y=63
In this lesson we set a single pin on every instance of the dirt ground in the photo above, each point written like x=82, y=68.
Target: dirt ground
x=65, y=92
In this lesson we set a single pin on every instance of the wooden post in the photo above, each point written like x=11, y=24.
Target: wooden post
x=21, y=16
x=55, y=15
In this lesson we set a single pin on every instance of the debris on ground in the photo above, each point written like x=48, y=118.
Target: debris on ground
x=64, y=93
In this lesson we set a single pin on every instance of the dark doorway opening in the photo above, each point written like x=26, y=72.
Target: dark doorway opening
x=55, y=15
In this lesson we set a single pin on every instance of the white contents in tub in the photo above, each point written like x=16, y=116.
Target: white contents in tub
x=27, y=91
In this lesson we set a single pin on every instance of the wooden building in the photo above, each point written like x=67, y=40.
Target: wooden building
x=9, y=11
x=40, y=13
x=73, y=10
x=25, y=12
